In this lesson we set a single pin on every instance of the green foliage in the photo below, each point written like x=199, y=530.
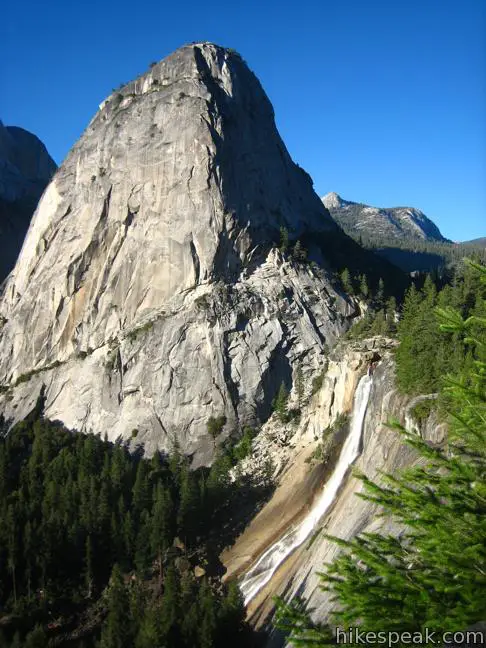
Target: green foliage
x=139, y=330
x=80, y=517
x=284, y=240
x=215, y=426
x=346, y=282
x=280, y=403
x=299, y=253
x=326, y=449
x=363, y=286
x=116, y=629
x=299, y=384
x=421, y=411
x=243, y=448
x=426, y=354
x=432, y=575
x=318, y=381
x=25, y=377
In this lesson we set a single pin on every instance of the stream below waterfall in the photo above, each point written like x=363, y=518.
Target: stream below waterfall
x=263, y=570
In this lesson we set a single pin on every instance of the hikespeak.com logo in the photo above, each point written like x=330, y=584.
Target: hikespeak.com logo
x=389, y=638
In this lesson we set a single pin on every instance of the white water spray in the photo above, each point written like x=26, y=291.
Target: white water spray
x=265, y=567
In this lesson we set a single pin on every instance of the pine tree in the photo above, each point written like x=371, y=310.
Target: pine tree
x=299, y=384
x=116, y=630
x=346, y=281
x=232, y=615
x=390, y=311
x=141, y=489
x=299, y=252
x=142, y=543
x=380, y=294
x=89, y=569
x=189, y=625
x=215, y=426
x=280, y=403
x=170, y=610
x=363, y=286
x=36, y=639
x=162, y=524
x=188, y=505
x=284, y=240
x=207, y=615
x=149, y=633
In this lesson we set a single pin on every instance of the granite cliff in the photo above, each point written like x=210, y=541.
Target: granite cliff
x=150, y=277
x=389, y=222
x=305, y=456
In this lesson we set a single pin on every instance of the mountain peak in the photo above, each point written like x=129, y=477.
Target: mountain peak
x=391, y=222
x=332, y=200
x=150, y=271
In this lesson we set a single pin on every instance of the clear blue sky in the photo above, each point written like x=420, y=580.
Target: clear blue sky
x=383, y=102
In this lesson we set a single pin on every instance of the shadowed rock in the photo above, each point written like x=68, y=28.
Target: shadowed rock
x=25, y=170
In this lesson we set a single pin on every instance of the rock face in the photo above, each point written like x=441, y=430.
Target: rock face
x=150, y=279
x=300, y=481
x=25, y=170
x=390, y=223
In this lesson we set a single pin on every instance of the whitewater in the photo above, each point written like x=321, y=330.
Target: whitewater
x=268, y=563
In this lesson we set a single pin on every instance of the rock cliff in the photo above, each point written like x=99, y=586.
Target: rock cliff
x=149, y=293
x=301, y=479
x=25, y=170
x=390, y=222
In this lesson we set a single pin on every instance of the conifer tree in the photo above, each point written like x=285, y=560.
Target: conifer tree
x=116, y=629
x=207, y=614
x=380, y=294
x=89, y=571
x=170, y=609
x=188, y=505
x=36, y=639
x=299, y=384
x=162, y=524
x=363, y=286
x=284, y=240
x=299, y=253
x=149, y=632
x=142, y=543
x=141, y=488
x=280, y=403
x=346, y=281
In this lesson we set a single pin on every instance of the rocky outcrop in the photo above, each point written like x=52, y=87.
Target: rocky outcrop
x=389, y=222
x=301, y=480
x=25, y=170
x=150, y=280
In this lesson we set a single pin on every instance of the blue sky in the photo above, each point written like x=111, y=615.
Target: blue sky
x=383, y=102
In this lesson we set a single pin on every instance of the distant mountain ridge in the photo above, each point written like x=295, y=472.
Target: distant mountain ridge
x=477, y=241
x=394, y=222
x=405, y=236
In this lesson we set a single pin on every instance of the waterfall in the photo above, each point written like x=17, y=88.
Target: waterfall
x=267, y=564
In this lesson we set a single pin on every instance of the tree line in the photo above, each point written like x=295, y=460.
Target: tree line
x=95, y=537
